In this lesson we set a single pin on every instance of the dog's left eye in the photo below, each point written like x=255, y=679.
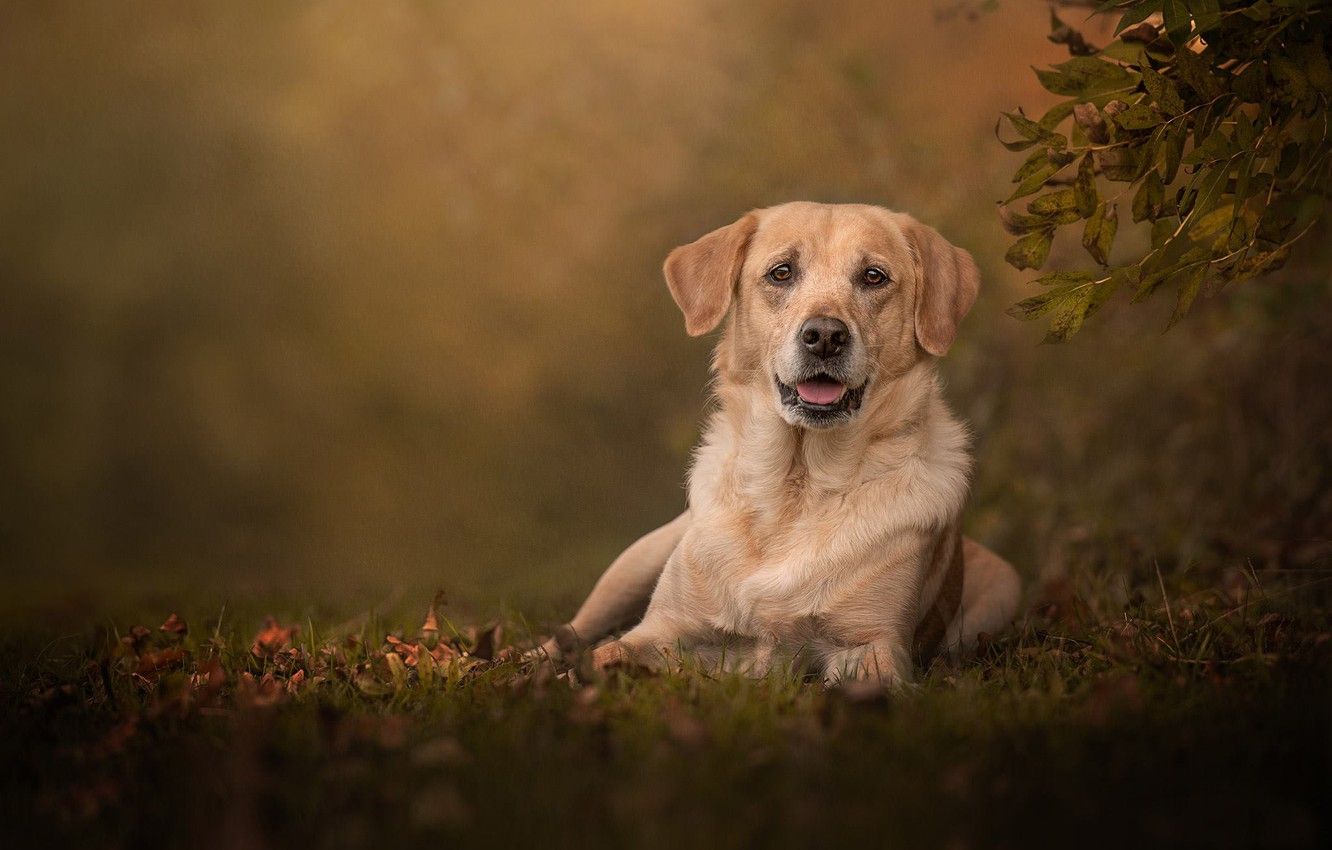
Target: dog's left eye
x=875, y=276
x=780, y=273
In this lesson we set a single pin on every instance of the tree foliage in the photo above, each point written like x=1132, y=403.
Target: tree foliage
x=1204, y=122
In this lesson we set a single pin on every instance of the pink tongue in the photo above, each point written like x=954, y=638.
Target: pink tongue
x=819, y=392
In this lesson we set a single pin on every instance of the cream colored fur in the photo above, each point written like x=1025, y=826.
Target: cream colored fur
x=811, y=544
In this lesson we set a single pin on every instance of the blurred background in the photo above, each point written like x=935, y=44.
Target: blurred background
x=338, y=301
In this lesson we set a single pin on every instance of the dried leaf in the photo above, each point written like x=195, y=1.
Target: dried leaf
x=1088, y=117
x=152, y=662
x=487, y=641
x=137, y=639
x=273, y=638
x=258, y=693
x=174, y=625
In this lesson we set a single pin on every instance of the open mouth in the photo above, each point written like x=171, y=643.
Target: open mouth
x=821, y=397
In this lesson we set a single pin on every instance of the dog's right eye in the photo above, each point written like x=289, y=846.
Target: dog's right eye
x=780, y=273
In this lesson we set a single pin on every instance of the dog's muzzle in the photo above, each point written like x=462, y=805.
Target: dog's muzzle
x=823, y=394
x=820, y=399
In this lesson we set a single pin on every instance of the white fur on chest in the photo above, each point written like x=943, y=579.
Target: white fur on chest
x=805, y=541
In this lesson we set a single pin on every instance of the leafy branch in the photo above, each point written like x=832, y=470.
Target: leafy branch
x=1212, y=114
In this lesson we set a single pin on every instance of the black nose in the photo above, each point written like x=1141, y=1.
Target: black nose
x=824, y=336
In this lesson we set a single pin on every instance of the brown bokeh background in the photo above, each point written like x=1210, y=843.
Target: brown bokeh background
x=337, y=300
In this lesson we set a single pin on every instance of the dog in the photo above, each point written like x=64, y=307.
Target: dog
x=825, y=497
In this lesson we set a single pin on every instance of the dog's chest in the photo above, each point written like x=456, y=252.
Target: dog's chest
x=770, y=578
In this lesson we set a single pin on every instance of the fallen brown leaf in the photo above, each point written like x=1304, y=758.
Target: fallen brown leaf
x=174, y=625
x=153, y=661
x=486, y=641
x=273, y=638
x=137, y=639
x=258, y=693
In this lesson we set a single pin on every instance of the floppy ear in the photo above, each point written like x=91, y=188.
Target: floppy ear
x=702, y=274
x=949, y=281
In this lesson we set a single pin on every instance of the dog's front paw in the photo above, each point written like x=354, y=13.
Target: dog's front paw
x=865, y=668
x=609, y=655
x=562, y=645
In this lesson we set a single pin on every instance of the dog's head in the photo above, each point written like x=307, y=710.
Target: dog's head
x=823, y=301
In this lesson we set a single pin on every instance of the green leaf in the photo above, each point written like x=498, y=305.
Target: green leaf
x=1209, y=186
x=1125, y=277
x=1163, y=91
x=1031, y=251
x=397, y=670
x=1289, y=75
x=1069, y=313
x=1137, y=13
x=1128, y=52
x=1119, y=164
x=1153, y=279
x=1057, y=113
x=1261, y=262
x=1033, y=307
x=1027, y=128
x=426, y=669
x=1067, y=307
x=1162, y=230
x=1313, y=57
x=1206, y=229
x=1099, y=234
x=1245, y=185
x=1084, y=187
x=1140, y=116
x=1215, y=147
x=1177, y=21
x=1251, y=83
x=1188, y=290
x=1064, y=278
x=1206, y=14
x=1031, y=165
x=1260, y=11
x=1032, y=182
x=1292, y=154
x=1054, y=202
x=1015, y=146
x=1197, y=72
x=1082, y=76
x=1245, y=133
x=1174, y=151
x=1149, y=197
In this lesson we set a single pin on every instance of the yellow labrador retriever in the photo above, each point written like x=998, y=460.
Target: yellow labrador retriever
x=824, y=500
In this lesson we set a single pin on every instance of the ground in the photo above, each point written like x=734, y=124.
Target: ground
x=1168, y=715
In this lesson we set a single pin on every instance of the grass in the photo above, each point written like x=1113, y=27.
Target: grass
x=1160, y=713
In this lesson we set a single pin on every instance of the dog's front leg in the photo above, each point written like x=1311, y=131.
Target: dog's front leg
x=623, y=591
x=885, y=661
x=876, y=643
x=654, y=643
